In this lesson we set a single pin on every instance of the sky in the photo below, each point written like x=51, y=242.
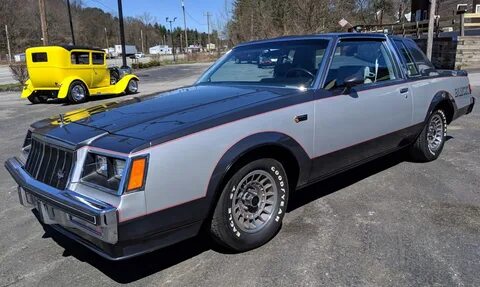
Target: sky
x=160, y=9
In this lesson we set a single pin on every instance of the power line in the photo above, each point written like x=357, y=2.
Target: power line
x=195, y=20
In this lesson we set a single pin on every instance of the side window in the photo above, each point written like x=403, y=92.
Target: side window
x=80, y=58
x=39, y=57
x=419, y=57
x=98, y=58
x=369, y=60
x=406, y=58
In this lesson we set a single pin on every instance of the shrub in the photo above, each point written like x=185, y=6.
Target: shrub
x=19, y=72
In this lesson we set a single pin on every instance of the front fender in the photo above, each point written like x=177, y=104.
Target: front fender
x=65, y=86
x=250, y=143
x=121, y=85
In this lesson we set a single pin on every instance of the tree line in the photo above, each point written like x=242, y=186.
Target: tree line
x=92, y=27
x=258, y=19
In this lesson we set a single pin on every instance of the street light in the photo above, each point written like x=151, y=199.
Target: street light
x=171, y=35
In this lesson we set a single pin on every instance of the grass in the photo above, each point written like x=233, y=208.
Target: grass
x=10, y=87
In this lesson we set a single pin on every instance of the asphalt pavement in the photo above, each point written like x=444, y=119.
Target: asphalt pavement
x=390, y=222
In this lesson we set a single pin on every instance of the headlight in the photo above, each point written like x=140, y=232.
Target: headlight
x=104, y=171
x=27, y=144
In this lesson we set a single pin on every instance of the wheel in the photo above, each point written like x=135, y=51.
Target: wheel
x=114, y=76
x=431, y=140
x=77, y=92
x=251, y=207
x=132, y=87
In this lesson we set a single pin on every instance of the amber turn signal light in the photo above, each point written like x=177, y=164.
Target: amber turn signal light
x=137, y=174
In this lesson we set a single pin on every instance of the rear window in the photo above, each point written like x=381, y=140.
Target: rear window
x=39, y=57
x=80, y=58
x=97, y=58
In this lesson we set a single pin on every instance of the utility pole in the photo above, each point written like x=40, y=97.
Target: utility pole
x=208, y=15
x=8, y=45
x=122, y=34
x=106, y=36
x=171, y=36
x=43, y=21
x=71, y=24
x=185, y=27
x=141, y=36
x=431, y=24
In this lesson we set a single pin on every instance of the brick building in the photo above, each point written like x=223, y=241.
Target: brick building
x=421, y=8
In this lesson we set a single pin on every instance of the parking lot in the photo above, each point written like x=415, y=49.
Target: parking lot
x=390, y=222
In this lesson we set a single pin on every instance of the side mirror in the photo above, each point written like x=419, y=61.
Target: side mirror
x=352, y=81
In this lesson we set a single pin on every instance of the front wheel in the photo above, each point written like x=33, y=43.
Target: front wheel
x=431, y=140
x=251, y=207
x=132, y=86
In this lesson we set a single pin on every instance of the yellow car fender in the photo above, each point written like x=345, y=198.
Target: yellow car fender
x=121, y=85
x=65, y=86
x=28, y=89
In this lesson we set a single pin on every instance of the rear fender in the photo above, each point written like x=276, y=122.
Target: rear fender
x=28, y=89
x=65, y=86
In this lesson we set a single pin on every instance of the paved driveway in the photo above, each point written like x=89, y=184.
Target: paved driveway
x=388, y=223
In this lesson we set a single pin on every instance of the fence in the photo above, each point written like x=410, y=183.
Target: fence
x=443, y=24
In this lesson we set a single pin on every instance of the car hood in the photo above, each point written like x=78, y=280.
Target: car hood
x=150, y=117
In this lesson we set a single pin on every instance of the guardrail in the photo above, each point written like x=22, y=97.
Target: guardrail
x=444, y=24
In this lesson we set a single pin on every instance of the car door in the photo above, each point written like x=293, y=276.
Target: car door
x=101, y=75
x=80, y=66
x=368, y=120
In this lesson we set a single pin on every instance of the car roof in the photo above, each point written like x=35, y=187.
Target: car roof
x=75, y=47
x=316, y=36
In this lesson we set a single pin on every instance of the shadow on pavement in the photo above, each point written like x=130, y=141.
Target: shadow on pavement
x=131, y=270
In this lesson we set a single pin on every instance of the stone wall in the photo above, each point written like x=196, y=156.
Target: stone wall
x=468, y=53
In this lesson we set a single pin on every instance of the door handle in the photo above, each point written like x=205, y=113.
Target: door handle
x=301, y=118
x=403, y=90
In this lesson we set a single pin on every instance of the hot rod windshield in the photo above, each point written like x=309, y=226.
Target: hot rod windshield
x=279, y=63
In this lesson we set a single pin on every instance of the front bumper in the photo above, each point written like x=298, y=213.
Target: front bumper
x=65, y=208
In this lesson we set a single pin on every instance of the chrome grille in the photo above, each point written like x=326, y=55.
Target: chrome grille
x=49, y=164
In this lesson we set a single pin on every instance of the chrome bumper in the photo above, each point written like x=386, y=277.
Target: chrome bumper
x=65, y=207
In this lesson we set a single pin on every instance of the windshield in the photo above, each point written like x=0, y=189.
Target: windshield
x=285, y=63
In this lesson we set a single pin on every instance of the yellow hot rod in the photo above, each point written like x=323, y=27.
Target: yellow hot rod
x=74, y=73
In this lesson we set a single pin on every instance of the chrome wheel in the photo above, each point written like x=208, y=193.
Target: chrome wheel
x=78, y=93
x=435, y=133
x=132, y=86
x=254, y=201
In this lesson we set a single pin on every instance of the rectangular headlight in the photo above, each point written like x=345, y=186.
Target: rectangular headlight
x=104, y=171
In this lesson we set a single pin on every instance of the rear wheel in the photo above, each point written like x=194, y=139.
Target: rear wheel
x=431, y=140
x=77, y=92
x=132, y=87
x=251, y=207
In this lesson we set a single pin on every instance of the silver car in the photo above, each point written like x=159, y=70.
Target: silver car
x=224, y=154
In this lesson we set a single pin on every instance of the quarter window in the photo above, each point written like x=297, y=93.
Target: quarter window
x=97, y=58
x=423, y=64
x=80, y=58
x=369, y=60
x=406, y=58
x=39, y=57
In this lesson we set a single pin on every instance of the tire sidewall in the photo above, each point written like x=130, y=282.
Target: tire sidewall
x=128, y=86
x=242, y=240
x=430, y=153
x=72, y=85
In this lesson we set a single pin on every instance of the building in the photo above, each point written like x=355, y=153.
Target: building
x=160, y=50
x=420, y=8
